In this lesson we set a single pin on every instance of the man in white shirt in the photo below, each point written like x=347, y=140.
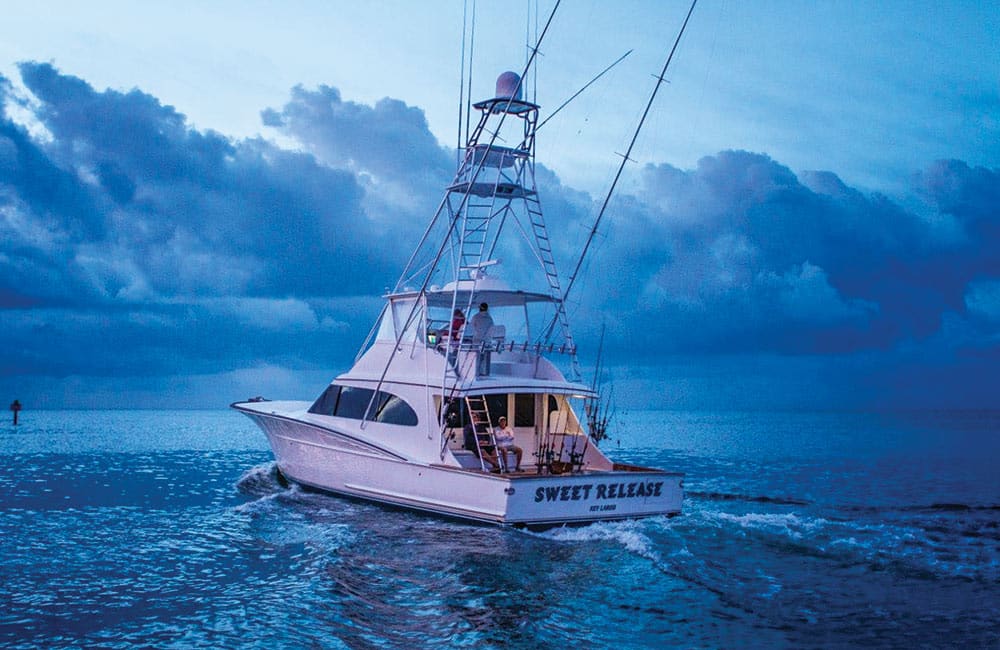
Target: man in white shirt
x=504, y=437
x=481, y=324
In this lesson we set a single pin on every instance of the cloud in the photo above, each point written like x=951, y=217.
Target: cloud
x=740, y=254
x=135, y=245
x=388, y=146
x=127, y=187
x=288, y=315
x=983, y=300
x=390, y=141
x=971, y=194
x=126, y=231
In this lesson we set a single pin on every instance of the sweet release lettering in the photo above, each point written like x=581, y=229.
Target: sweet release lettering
x=603, y=491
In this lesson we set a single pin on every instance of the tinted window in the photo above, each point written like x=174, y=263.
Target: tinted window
x=353, y=402
x=350, y=402
x=327, y=402
x=524, y=410
x=497, y=404
x=393, y=410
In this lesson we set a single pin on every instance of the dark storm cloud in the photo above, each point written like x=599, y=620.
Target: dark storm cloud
x=134, y=244
x=740, y=254
x=119, y=221
x=130, y=130
x=168, y=210
x=389, y=140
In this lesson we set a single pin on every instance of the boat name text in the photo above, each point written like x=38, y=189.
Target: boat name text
x=603, y=491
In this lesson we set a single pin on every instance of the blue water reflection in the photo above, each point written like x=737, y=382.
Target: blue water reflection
x=171, y=529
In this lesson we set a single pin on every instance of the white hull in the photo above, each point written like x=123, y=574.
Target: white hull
x=323, y=459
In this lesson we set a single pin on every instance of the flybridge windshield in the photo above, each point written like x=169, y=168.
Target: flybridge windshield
x=396, y=319
x=516, y=318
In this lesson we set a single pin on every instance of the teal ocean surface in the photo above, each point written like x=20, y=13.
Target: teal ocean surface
x=170, y=529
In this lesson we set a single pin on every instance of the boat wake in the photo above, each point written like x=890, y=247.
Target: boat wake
x=727, y=496
x=263, y=480
x=930, y=544
x=658, y=540
x=628, y=534
x=944, y=544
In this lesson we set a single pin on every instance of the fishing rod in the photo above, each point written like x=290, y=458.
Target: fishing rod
x=593, y=405
x=562, y=447
x=582, y=455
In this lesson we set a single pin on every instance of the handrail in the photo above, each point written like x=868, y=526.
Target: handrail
x=467, y=344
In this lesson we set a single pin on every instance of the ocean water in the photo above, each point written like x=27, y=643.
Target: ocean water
x=169, y=529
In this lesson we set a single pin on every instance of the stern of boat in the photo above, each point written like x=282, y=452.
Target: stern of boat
x=627, y=492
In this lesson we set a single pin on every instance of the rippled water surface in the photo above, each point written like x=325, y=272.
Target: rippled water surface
x=170, y=529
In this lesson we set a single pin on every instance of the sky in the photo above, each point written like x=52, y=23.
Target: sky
x=202, y=202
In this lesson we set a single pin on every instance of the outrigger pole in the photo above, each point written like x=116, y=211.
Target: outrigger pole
x=579, y=92
x=625, y=158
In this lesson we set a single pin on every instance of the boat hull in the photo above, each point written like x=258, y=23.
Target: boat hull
x=335, y=462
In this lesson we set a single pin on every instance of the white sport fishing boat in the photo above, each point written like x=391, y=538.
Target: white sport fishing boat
x=415, y=421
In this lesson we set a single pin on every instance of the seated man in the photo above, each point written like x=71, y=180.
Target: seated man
x=504, y=437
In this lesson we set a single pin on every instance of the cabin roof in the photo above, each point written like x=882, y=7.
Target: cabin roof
x=494, y=297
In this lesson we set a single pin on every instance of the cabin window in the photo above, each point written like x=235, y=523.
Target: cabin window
x=351, y=402
x=403, y=311
x=497, y=404
x=524, y=410
x=327, y=402
x=393, y=410
x=386, y=331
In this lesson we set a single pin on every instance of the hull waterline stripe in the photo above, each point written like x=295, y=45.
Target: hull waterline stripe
x=430, y=503
x=415, y=505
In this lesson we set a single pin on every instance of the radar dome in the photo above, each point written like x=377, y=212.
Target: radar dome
x=509, y=86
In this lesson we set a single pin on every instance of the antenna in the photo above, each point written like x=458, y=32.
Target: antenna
x=534, y=71
x=461, y=86
x=472, y=48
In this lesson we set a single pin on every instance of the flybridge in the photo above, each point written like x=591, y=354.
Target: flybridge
x=491, y=210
